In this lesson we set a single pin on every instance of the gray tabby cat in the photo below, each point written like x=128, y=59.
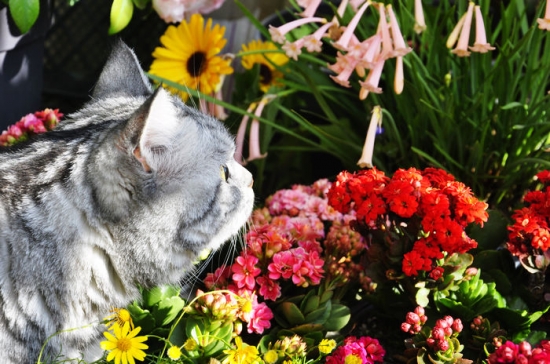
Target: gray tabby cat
x=126, y=192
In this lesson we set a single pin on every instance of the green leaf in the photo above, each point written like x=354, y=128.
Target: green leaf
x=311, y=304
x=493, y=233
x=292, y=313
x=121, y=14
x=141, y=4
x=512, y=105
x=24, y=13
x=339, y=317
x=142, y=318
x=219, y=340
x=319, y=315
x=168, y=309
x=154, y=295
x=422, y=297
x=306, y=328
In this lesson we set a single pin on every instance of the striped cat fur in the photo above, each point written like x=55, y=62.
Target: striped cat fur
x=125, y=192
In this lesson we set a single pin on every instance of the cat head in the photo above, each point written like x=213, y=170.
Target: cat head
x=166, y=172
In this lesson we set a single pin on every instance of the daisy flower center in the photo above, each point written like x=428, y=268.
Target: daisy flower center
x=196, y=63
x=124, y=344
x=266, y=76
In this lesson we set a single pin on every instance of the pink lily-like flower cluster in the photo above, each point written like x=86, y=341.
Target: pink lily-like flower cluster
x=288, y=248
x=29, y=125
x=354, y=55
x=462, y=32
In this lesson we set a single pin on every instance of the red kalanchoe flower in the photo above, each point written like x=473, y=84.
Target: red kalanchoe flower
x=544, y=176
x=506, y=353
x=529, y=236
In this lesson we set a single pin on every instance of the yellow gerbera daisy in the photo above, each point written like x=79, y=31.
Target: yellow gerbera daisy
x=269, y=75
x=125, y=345
x=189, y=55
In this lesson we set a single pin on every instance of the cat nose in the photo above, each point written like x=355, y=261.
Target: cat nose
x=251, y=183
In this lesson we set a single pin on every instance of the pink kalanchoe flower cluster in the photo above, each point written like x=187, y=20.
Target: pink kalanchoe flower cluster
x=444, y=329
x=365, y=350
x=521, y=353
x=529, y=236
x=414, y=321
x=290, y=248
x=29, y=125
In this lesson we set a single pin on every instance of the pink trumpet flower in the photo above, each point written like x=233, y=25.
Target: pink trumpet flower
x=480, y=45
x=344, y=66
x=461, y=49
x=419, y=22
x=310, y=7
x=238, y=156
x=368, y=148
x=399, y=46
x=278, y=33
x=544, y=23
x=312, y=42
x=453, y=37
x=293, y=49
x=342, y=8
x=387, y=46
x=399, y=80
x=371, y=54
x=254, y=145
x=346, y=37
x=372, y=81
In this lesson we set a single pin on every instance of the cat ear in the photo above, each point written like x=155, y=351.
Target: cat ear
x=122, y=75
x=160, y=128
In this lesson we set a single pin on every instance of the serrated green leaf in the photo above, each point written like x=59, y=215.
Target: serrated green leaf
x=121, y=14
x=24, y=13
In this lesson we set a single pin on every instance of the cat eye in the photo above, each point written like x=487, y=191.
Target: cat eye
x=224, y=172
